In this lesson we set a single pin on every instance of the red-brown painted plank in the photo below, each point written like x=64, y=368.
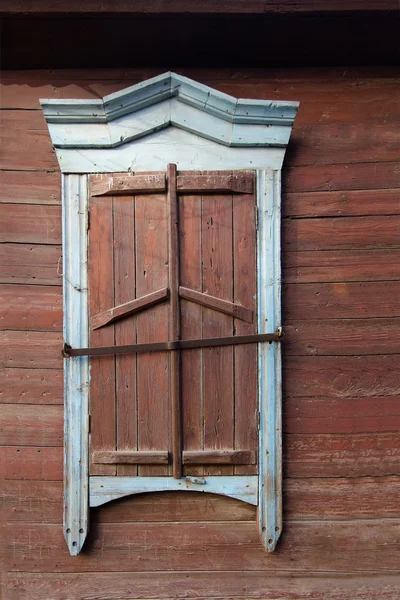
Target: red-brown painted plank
x=30, y=223
x=191, y=327
x=341, y=233
x=341, y=376
x=127, y=184
x=343, y=203
x=30, y=264
x=101, y=297
x=29, y=425
x=30, y=307
x=341, y=300
x=30, y=187
x=341, y=415
x=314, y=584
x=27, y=462
x=341, y=266
x=32, y=501
x=341, y=455
x=125, y=330
x=218, y=371
x=342, y=337
x=36, y=386
x=152, y=369
x=31, y=349
x=245, y=357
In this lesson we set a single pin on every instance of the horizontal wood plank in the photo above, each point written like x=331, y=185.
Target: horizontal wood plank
x=30, y=224
x=31, y=349
x=341, y=266
x=328, y=178
x=30, y=187
x=30, y=425
x=126, y=457
x=35, y=386
x=30, y=307
x=341, y=415
x=121, y=183
x=34, y=463
x=219, y=457
x=30, y=264
x=217, y=547
x=341, y=300
x=353, y=203
x=216, y=586
x=239, y=183
x=341, y=233
x=342, y=376
x=342, y=337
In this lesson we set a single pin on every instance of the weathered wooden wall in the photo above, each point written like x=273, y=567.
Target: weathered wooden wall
x=341, y=266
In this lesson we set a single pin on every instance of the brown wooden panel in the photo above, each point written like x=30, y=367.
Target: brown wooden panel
x=36, y=386
x=152, y=369
x=341, y=266
x=238, y=182
x=29, y=425
x=30, y=224
x=31, y=349
x=342, y=376
x=32, y=501
x=341, y=300
x=338, y=498
x=359, y=176
x=26, y=144
x=129, y=457
x=25, y=307
x=191, y=327
x=125, y=331
x=342, y=455
x=24, y=586
x=101, y=297
x=121, y=183
x=341, y=415
x=245, y=357
x=341, y=233
x=325, y=546
x=20, y=462
x=30, y=264
x=342, y=203
x=30, y=187
x=217, y=273
x=342, y=337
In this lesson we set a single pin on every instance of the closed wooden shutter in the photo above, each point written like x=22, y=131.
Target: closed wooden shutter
x=173, y=256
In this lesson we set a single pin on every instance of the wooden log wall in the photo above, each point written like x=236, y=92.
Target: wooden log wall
x=341, y=275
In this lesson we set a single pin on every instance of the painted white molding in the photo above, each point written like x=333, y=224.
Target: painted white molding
x=76, y=370
x=170, y=119
x=105, y=489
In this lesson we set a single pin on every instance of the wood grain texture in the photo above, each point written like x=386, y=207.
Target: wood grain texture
x=341, y=300
x=30, y=224
x=34, y=386
x=353, y=203
x=28, y=425
x=191, y=546
x=341, y=266
x=120, y=183
x=166, y=586
x=30, y=264
x=342, y=337
x=31, y=349
x=342, y=376
x=341, y=233
x=30, y=187
x=341, y=415
x=33, y=463
x=30, y=307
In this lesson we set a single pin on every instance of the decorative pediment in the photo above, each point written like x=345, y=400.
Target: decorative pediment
x=163, y=101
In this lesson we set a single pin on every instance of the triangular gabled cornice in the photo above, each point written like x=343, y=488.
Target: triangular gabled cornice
x=168, y=99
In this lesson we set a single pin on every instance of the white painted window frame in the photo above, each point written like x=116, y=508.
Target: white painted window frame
x=200, y=129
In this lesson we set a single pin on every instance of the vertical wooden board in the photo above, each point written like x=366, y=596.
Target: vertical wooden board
x=191, y=327
x=245, y=357
x=218, y=381
x=152, y=326
x=101, y=297
x=125, y=329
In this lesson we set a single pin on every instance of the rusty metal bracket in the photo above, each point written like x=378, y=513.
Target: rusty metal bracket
x=69, y=352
